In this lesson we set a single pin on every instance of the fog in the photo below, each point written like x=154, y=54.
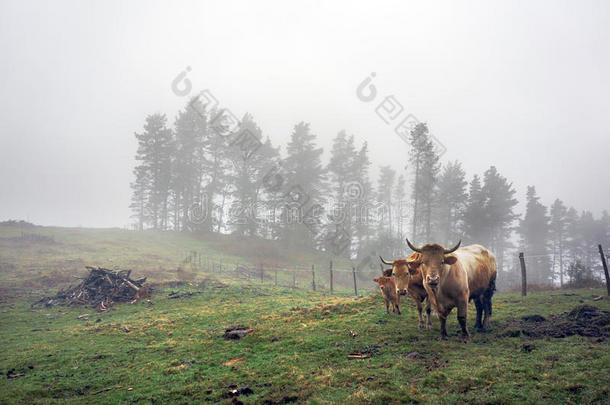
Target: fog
x=522, y=86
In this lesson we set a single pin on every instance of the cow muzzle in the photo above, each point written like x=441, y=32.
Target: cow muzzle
x=432, y=281
x=402, y=292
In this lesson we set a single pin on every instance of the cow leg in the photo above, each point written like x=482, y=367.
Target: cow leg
x=387, y=306
x=443, y=317
x=487, y=309
x=419, y=311
x=462, y=310
x=397, y=307
x=428, y=316
x=478, y=302
x=487, y=302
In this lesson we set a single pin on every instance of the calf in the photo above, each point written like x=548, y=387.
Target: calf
x=410, y=281
x=388, y=291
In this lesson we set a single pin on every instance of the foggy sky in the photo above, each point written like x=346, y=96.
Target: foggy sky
x=519, y=85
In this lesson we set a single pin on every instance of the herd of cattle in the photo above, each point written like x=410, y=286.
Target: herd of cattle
x=443, y=279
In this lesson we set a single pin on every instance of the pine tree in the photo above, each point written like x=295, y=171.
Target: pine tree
x=191, y=130
x=151, y=187
x=452, y=199
x=304, y=174
x=573, y=237
x=499, y=205
x=558, y=226
x=475, y=214
x=400, y=211
x=426, y=162
x=342, y=156
x=362, y=201
x=385, y=188
x=139, y=197
x=534, y=230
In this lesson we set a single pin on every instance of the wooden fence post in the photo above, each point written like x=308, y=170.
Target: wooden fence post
x=331, y=276
x=313, y=278
x=523, y=275
x=262, y=274
x=601, y=253
x=294, y=279
x=355, y=285
x=276, y=277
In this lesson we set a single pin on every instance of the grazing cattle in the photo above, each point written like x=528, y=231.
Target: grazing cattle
x=410, y=281
x=452, y=277
x=388, y=291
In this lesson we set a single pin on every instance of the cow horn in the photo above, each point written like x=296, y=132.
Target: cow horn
x=453, y=249
x=384, y=262
x=413, y=248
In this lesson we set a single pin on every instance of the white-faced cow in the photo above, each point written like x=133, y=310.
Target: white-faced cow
x=454, y=276
x=410, y=281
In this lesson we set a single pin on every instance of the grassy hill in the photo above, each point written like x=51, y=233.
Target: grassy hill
x=35, y=258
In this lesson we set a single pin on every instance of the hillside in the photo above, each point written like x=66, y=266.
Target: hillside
x=36, y=258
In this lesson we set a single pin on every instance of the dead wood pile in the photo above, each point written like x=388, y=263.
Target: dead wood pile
x=101, y=289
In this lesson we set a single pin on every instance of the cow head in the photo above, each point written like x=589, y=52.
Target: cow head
x=432, y=260
x=402, y=269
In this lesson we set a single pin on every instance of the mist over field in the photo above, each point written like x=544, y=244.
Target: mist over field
x=304, y=202
x=523, y=88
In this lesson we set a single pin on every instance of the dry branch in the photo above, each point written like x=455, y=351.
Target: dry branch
x=101, y=289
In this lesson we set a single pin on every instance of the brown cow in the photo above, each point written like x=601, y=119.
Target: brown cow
x=452, y=279
x=412, y=284
x=388, y=291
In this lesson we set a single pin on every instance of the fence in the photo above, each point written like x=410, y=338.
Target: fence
x=315, y=277
x=523, y=266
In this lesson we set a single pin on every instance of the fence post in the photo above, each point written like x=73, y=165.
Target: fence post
x=355, y=285
x=601, y=253
x=523, y=275
x=294, y=279
x=262, y=274
x=313, y=278
x=276, y=277
x=331, y=276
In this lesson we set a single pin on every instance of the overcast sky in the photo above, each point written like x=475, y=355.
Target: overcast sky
x=520, y=85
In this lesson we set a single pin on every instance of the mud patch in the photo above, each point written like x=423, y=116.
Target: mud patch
x=582, y=320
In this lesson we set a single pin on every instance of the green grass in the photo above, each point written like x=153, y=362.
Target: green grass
x=174, y=352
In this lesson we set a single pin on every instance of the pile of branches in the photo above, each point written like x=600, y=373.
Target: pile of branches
x=101, y=289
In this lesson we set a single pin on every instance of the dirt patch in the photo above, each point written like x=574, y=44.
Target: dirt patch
x=583, y=320
x=237, y=332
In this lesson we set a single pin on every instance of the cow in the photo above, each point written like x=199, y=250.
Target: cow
x=388, y=291
x=409, y=281
x=452, y=277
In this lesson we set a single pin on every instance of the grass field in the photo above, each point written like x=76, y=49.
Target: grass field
x=172, y=350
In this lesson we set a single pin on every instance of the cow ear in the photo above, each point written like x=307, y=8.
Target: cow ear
x=413, y=267
x=450, y=260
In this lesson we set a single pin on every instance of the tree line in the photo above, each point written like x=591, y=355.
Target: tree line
x=207, y=173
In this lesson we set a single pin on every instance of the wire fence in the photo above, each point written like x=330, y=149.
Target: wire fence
x=315, y=277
